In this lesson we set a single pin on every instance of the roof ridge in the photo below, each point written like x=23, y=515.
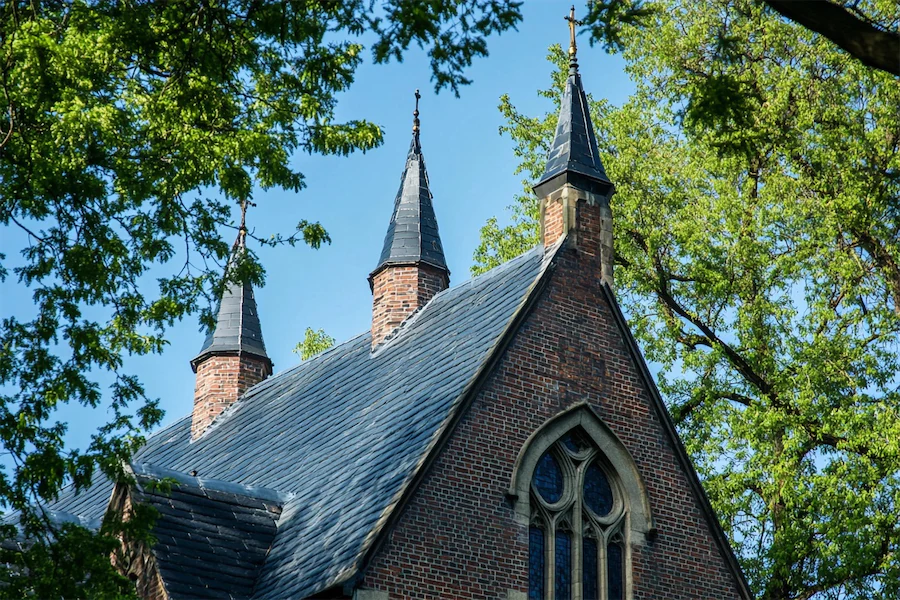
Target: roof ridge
x=303, y=364
x=149, y=471
x=458, y=288
x=408, y=321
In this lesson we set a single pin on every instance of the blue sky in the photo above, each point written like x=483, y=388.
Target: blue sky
x=470, y=168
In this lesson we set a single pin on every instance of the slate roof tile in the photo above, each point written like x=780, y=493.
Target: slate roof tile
x=237, y=320
x=197, y=526
x=340, y=433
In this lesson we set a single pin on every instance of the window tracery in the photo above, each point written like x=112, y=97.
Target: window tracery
x=574, y=477
x=577, y=524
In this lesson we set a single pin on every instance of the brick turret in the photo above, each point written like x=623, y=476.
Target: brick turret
x=233, y=357
x=575, y=190
x=412, y=268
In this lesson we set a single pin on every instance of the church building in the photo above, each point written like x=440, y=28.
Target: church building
x=498, y=439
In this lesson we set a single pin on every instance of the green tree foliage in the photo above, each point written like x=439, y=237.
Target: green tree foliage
x=314, y=342
x=867, y=29
x=128, y=133
x=757, y=259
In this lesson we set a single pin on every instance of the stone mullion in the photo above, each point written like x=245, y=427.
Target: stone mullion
x=602, y=571
x=550, y=559
x=577, y=543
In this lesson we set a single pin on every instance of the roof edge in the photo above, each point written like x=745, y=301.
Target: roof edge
x=149, y=471
x=377, y=536
x=680, y=451
x=591, y=183
x=408, y=263
x=212, y=351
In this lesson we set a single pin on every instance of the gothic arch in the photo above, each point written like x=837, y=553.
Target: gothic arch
x=628, y=478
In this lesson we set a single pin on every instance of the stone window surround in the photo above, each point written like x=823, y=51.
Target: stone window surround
x=626, y=479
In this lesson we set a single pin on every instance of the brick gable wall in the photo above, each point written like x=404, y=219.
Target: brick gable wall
x=457, y=537
x=135, y=560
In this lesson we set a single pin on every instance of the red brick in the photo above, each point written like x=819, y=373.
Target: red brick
x=457, y=536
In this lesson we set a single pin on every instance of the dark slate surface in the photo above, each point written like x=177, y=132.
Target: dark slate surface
x=574, y=150
x=237, y=324
x=212, y=537
x=344, y=431
x=237, y=320
x=57, y=517
x=412, y=235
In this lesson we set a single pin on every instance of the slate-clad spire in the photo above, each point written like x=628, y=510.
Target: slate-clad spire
x=233, y=357
x=237, y=321
x=574, y=189
x=573, y=157
x=412, y=235
x=412, y=268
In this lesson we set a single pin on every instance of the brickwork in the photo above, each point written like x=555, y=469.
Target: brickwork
x=148, y=582
x=558, y=213
x=458, y=536
x=221, y=379
x=397, y=291
x=553, y=228
x=134, y=559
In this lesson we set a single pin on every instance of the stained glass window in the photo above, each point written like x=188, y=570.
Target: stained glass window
x=548, y=479
x=615, y=570
x=597, y=493
x=591, y=580
x=588, y=563
x=574, y=442
x=535, y=564
x=563, y=566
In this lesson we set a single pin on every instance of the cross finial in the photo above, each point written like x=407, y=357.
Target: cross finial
x=573, y=61
x=242, y=230
x=416, y=115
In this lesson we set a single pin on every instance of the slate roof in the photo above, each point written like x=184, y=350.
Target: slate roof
x=57, y=517
x=212, y=536
x=345, y=432
x=237, y=321
x=412, y=236
x=573, y=156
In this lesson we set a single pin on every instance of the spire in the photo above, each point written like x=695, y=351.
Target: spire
x=412, y=236
x=237, y=329
x=412, y=268
x=573, y=156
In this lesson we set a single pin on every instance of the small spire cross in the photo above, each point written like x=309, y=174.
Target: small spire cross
x=242, y=230
x=416, y=114
x=572, y=23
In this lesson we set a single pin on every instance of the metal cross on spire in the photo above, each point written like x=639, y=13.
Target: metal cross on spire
x=242, y=230
x=573, y=48
x=416, y=115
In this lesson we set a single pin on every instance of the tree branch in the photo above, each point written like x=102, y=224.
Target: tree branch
x=874, y=47
x=743, y=367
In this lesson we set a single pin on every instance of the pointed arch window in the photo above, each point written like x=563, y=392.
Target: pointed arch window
x=576, y=529
x=579, y=492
